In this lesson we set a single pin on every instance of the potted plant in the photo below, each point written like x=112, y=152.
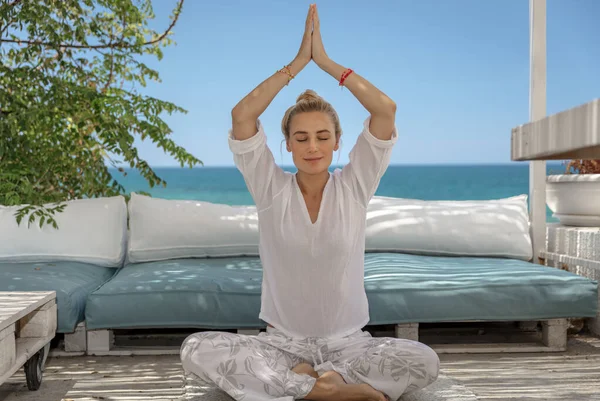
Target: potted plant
x=574, y=197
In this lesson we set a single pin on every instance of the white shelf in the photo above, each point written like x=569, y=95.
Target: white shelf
x=570, y=134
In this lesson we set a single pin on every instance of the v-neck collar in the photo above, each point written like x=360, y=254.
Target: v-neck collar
x=303, y=201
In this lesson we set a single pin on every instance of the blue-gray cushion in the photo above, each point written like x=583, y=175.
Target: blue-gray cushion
x=72, y=281
x=408, y=288
x=225, y=293
x=211, y=293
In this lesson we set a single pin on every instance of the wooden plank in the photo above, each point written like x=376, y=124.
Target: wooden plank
x=408, y=331
x=570, y=134
x=76, y=341
x=439, y=348
x=26, y=348
x=537, y=111
x=39, y=323
x=554, y=333
x=99, y=341
x=7, y=348
x=248, y=332
x=16, y=305
x=492, y=348
x=135, y=351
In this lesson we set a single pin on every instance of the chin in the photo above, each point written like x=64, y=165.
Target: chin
x=315, y=168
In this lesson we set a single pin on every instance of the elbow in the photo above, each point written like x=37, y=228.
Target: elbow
x=391, y=107
x=387, y=108
x=236, y=114
x=241, y=113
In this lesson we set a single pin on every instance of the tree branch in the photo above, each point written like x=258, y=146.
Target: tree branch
x=112, y=62
x=111, y=45
x=10, y=22
x=14, y=3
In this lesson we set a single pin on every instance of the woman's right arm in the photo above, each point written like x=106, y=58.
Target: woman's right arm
x=247, y=139
x=249, y=109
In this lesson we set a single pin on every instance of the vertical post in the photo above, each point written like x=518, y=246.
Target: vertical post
x=537, y=110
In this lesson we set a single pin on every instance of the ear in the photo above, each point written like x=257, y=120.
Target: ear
x=287, y=146
x=337, y=145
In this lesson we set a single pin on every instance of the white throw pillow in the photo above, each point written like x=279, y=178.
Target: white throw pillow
x=162, y=229
x=486, y=228
x=89, y=231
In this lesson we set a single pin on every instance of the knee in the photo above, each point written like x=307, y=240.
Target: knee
x=190, y=342
x=188, y=348
x=431, y=360
x=195, y=348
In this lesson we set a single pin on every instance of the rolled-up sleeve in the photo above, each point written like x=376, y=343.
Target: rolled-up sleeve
x=369, y=159
x=254, y=160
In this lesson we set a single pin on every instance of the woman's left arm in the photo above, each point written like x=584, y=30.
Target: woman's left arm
x=377, y=103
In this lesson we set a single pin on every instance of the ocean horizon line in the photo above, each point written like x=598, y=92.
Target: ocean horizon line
x=469, y=164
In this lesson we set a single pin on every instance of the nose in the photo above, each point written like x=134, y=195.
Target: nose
x=312, y=145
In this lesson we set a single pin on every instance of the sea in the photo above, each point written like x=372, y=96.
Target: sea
x=428, y=182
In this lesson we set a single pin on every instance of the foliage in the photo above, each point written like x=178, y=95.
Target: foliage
x=583, y=166
x=69, y=100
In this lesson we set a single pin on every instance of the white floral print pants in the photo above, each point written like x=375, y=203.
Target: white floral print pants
x=253, y=368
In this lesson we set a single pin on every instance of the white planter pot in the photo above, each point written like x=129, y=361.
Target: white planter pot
x=574, y=199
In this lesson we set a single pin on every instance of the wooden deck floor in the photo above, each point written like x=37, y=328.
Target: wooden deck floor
x=573, y=376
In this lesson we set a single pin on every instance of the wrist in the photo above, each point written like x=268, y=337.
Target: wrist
x=332, y=68
x=298, y=65
x=324, y=64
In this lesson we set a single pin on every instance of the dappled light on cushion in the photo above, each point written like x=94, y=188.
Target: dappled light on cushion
x=190, y=292
x=72, y=281
x=417, y=288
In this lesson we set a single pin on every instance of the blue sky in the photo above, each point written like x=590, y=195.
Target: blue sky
x=458, y=70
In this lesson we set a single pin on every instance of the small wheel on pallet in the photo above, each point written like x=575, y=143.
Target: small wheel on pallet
x=34, y=368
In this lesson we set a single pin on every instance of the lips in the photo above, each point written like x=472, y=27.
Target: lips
x=313, y=159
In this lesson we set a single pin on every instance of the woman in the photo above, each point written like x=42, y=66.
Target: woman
x=312, y=227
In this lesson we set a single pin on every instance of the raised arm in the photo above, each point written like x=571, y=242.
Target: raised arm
x=247, y=111
x=370, y=156
x=379, y=105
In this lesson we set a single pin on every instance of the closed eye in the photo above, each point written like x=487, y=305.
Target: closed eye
x=320, y=139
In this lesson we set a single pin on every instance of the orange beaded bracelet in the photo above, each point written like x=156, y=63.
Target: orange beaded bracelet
x=286, y=70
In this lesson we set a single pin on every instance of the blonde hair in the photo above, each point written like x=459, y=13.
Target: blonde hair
x=309, y=101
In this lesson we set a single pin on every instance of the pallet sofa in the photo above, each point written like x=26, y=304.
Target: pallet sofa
x=172, y=264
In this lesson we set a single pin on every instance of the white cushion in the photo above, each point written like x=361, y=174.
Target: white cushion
x=89, y=231
x=162, y=229
x=487, y=228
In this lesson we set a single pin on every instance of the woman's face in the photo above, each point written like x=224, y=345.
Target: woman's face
x=312, y=141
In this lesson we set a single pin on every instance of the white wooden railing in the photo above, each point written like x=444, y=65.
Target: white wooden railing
x=569, y=134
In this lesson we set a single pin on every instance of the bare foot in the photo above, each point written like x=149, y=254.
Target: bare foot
x=337, y=389
x=305, y=369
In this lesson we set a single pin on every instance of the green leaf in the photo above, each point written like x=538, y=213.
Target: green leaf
x=73, y=109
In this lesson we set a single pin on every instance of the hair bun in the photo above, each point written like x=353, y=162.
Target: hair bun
x=307, y=96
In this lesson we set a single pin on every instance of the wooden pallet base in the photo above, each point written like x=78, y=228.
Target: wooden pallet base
x=500, y=337
x=553, y=338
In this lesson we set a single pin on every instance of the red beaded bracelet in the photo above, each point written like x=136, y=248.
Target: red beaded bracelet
x=345, y=75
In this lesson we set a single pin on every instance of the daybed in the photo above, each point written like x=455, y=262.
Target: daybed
x=156, y=263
